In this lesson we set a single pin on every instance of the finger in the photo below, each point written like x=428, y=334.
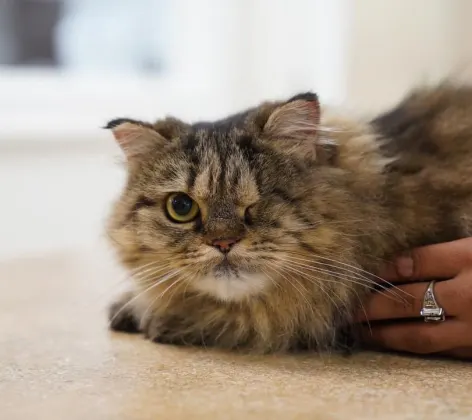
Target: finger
x=459, y=295
x=443, y=260
x=408, y=301
x=420, y=337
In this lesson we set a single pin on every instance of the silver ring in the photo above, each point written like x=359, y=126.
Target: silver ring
x=431, y=311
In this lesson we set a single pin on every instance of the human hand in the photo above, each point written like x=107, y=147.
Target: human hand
x=451, y=264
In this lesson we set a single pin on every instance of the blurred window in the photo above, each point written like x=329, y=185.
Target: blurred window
x=68, y=65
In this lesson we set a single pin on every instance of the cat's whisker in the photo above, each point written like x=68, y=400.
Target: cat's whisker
x=300, y=291
x=127, y=277
x=142, y=267
x=356, y=269
x=187, y=284
x=149, y=307
x=294, y=270
x=149, y=276
x=156, y=257
x=276, y=285
x=139, y=295
x=149, y=268
x=350, y=273
x=361, y=303
x=159, y=296
x=360, y=279
x=313, y=308
x=149, y=272
x=185, y=280
x=172, y=285
x=324, y=222
x=390, y=294
x=324, y=279
x=320, y=283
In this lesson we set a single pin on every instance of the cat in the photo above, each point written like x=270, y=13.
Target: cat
x=260, y=232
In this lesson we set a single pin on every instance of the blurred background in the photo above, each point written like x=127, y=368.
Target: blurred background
x=69, y=66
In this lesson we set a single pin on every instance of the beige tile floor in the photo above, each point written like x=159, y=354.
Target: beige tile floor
x=58, y=361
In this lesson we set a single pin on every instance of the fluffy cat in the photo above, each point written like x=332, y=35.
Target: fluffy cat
x=261, y=231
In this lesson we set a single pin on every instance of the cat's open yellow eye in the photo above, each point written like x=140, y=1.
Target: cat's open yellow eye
x=181, y=208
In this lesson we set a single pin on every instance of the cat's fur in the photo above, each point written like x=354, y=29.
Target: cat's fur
x=319, y=202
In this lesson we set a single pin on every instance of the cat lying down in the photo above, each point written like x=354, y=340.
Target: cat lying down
x=261, y=232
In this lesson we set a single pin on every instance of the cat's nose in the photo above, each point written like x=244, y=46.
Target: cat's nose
x=224, y=245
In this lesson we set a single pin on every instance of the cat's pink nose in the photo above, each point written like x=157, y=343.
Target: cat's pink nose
x=225, y=244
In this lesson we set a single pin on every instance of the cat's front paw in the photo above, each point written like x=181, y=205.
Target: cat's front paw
x=169, y=330
x=121, y=315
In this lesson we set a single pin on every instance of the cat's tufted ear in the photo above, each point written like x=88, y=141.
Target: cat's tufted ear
x=171, y=128
x=295, y=119
x=136, y=138
x=293, y=126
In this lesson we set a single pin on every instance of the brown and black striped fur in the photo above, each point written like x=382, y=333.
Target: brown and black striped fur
x=319, y=201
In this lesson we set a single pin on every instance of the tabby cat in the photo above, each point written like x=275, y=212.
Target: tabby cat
x=261, y=231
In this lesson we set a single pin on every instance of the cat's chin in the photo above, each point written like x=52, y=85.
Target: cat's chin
x=232, y=285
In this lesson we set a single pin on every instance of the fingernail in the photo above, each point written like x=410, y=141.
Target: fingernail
x=405, y=266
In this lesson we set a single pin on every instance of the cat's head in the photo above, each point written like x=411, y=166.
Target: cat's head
x=231, y=208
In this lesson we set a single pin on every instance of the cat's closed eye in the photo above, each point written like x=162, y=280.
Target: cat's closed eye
x=248, y=216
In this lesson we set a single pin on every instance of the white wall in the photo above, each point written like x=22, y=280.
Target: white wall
x=55, y=199
x=287, y=47
x=364, y=53
x=464, y=36
x=394, y=45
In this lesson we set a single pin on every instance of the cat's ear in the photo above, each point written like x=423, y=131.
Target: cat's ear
x=171, y=128
x=294, y=126
x=135, y=138
x=295, y=119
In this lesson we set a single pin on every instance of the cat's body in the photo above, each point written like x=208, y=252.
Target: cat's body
x=294, y=213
